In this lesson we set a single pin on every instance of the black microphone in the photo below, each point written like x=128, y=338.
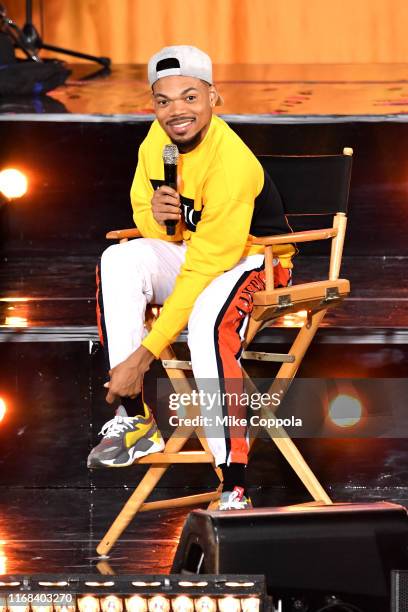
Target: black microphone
x=170, y=159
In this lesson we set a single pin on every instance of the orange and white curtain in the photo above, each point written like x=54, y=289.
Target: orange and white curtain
x=231, y=31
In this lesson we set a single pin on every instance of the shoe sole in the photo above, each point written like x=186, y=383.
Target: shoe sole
x=155, y=448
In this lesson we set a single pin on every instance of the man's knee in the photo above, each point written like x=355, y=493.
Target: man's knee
x=108, y=255
x=120, y=256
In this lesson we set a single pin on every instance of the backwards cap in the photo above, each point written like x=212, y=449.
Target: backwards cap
x=181, y=60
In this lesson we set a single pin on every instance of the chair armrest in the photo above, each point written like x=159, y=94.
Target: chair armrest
x=306, y=236
x=125, y=233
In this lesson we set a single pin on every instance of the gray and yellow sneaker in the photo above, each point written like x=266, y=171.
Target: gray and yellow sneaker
x=125, y=439
x=234, y=500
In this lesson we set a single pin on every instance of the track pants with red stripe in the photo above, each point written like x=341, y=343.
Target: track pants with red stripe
x=142, y=271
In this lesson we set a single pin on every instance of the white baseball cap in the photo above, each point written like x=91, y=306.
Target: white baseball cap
x=181, y=60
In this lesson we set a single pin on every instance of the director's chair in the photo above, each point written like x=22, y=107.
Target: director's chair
x=308, y=185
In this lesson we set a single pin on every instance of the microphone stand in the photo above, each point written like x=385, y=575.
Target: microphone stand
x=30, y=42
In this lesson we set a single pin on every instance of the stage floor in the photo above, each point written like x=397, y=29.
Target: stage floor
x=36, y=294
x=288, y=90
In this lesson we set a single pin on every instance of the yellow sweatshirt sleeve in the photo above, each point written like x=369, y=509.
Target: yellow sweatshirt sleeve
x=141, y=194
x=215, y=247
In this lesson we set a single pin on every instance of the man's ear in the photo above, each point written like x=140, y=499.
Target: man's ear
x=213, y=95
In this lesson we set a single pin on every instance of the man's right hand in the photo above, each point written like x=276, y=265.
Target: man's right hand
x=166, y=205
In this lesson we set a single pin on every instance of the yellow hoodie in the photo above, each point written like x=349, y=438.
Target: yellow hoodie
x=226, y=198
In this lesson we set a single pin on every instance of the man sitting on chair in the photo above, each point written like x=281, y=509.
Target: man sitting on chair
x=204, y=275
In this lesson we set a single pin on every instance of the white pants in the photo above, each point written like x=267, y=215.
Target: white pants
x=142, y=271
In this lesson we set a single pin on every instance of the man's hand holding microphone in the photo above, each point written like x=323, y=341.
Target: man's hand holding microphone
x=166, y=205
x=166, y=200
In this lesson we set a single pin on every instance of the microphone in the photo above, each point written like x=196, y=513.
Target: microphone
x=170, y=159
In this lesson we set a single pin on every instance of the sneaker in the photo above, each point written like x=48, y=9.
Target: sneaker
x=125, y=439
x=234, y=500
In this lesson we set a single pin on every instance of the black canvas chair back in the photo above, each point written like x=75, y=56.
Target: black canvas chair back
x=310, y=184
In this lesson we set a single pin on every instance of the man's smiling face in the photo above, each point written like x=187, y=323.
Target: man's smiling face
x=183, y=107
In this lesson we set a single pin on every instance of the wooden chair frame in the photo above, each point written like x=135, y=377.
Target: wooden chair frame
x=316, y=298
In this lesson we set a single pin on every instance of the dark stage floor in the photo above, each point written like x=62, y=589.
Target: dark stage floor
x=79, y=148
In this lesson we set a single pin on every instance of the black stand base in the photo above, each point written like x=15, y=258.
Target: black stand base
x=29, y=41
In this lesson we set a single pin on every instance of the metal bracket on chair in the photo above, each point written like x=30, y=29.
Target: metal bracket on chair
x=259, y=356
x=284, y=301
x=332, y=294
x=176, y=364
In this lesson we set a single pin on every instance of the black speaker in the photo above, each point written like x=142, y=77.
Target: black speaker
x=399, y=591
x=341, y=549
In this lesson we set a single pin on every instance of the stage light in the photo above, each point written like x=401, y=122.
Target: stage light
x=136, y=603
x=345, y=410
x=158, y=603
x=12, y=299
x=206, y=604
x=13, y=183
x=89, y=603
x=182, y=603
x=17, y=608
x=111, y=603
x=250, y=604
x=3, y=410
x=229, y=604
x=15, y=321
x=204, y=593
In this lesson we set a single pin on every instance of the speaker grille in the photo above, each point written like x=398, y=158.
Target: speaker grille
x=399, y=591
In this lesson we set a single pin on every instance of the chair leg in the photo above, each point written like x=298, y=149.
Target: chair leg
x=295, y=459
x=180, y=384
x=284, y=443
x=142, y=491
x=214, y=503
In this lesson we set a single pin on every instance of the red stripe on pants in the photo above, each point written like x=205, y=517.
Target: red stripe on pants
x=229, y=346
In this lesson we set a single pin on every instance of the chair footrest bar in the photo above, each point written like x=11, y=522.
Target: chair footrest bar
x=180, y=502
x=176, y=364
x=181, y=457
x=259, y=356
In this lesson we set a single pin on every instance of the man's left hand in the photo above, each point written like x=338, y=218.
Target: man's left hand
x=126, y=378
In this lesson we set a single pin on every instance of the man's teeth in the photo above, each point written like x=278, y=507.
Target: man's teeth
x=181, y=125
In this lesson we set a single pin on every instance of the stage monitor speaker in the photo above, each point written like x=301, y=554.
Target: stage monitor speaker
x=339, y=549
x=399, y=591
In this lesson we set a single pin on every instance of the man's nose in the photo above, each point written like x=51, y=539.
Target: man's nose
x=177, y=106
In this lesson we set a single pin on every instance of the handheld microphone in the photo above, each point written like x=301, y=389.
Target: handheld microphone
x=170, y=159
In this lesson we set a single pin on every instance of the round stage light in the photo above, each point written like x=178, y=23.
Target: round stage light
x=251, y=604
x=13, y=183
x=111, y=603
x=345, y=410
x=182, y=603
x=158, y=603
x=136, y=603
x=3, y=409
x=206, y=604
x=88, y=603
x=229, y=604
